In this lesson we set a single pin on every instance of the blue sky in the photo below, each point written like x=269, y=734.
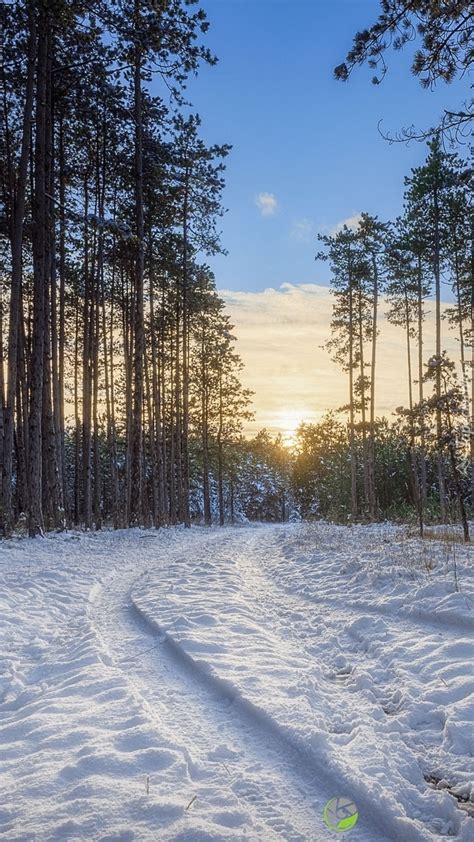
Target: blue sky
x=300, y=136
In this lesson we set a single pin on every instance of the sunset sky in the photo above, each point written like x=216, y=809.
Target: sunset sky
x=282, y=334
x=307, y=156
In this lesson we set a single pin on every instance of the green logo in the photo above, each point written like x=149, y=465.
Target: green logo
x=340, y=814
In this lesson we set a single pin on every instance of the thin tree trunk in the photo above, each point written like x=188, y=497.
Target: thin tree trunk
x=86, y=373
x=354, y=502
x=413, y=468
x=2, y=401
x=220, y=467
x=420, y=384
x=437, y=275
x=178, y=455
x=173, y=513
x=185, y=352
x=62, y=319
x=77, y=420
x=95, y=397
x=363, y=404
x=16, y=276
x=110, y=397
x=52, y=491
x=22, y=426
x=457, y=480
x=205, y=437
x=156, y=431
x=136, y=499
x=40, y=265
x=372, y=489
x=152, y=446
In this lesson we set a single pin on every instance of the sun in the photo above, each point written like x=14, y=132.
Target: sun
x=287, y=422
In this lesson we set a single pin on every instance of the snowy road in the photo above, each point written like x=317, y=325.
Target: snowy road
x=225, y=684
x=241, y=773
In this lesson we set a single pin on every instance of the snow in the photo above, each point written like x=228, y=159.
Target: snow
x=212, y=684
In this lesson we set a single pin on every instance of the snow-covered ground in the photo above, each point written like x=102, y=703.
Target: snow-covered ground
x=224, y=684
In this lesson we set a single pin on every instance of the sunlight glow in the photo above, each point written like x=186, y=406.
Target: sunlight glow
x=287, y=422
x=279, y=330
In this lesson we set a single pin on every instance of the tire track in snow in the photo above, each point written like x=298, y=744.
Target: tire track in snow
x=300, y=763
x=225, y=746
x=419, y=618
x=220, y=596
x=281, y=605
x=209, y=690
x=370, y=647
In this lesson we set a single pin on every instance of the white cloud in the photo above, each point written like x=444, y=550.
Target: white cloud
x=351, y=222
x=266, y=203
x=303, y=230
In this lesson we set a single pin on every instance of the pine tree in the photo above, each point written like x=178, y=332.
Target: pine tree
x=448, y=403
x=107, y=196
x=443, y=33
x=428, y=189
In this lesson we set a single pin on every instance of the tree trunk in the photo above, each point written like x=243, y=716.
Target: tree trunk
x=205, y=438
x=86, y=373
x=413, y=469
x=136, y=498
x=16, y=275
x=40, y=266
x=220, y=467
x=372, y=489
x=185, y=355
x=365, y=449
x=437, y=275
x=354, y=502
x=60, y=396
x=157, y=430
x=424, y=496
x=472, y=371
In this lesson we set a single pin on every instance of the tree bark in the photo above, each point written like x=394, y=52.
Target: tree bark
x=354, y=501
x=136, y=498
x=437, y=276
x=220, y=466
x=16, y=277
x=185, y=355
x=420, y=384
x=372, y=489
x=40, y=266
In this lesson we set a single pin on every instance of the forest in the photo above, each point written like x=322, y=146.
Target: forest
x=236, y=421
x=121, y=394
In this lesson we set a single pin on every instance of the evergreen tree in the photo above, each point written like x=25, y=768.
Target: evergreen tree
x=443, y=35
x=448, y=404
